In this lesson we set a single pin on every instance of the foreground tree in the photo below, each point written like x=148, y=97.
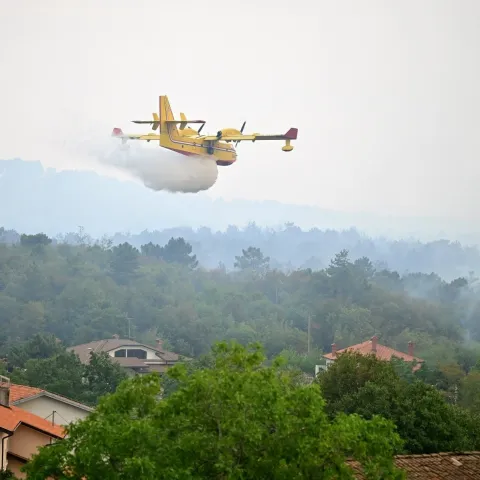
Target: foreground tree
x=367, y=386
x=235, y=419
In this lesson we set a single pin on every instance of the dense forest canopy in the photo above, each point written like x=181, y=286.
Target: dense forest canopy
x=94, y=290
x=56, y=293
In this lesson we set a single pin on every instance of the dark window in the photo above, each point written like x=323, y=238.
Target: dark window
x=120, y=353
x=137, y=352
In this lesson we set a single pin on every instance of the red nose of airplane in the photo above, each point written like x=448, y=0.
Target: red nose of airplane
x=116, y=132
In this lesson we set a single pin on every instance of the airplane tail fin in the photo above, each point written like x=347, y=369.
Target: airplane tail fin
x=292, y=134
x=165, y=115
x=118, y=132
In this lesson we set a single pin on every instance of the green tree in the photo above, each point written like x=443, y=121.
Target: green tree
x=368, y=386
x=237, y=420
x=40, y=239
x=177, y=250
x=39, y=346
x=124, y=262
x=61, y=373
x=151, y=250
x=469, y=394
x=7, y=475
x=101, y=377
x=64, y=374
x=253, y=260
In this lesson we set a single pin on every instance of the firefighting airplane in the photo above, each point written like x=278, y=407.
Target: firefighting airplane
x=188, y=141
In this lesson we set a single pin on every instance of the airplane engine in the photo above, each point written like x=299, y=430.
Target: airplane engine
x=228, y=131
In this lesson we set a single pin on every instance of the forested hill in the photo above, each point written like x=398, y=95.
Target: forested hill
x=86, y=292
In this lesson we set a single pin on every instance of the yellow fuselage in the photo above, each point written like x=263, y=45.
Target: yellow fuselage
x=188, y=142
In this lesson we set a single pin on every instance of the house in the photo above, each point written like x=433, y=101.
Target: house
x=56, y=408
x=135, y=357
x=436, y=466
x=21, y=432
x=372, y=346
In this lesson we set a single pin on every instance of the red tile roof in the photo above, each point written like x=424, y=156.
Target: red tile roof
x=24, y=392
x=437, y=466
x=11, y=417
x=382, y=352
x=19, y=392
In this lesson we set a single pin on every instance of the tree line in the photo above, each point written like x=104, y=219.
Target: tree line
x=80, y=293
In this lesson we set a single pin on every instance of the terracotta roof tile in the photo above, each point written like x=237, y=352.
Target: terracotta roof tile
x=19, y=392
x=11, y=417
x=23, y=392
x=382, y=352
x=437, y=466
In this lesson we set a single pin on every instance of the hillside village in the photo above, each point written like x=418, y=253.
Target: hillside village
x=31, y=418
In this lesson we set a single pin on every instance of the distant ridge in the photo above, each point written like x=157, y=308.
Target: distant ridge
x=36, y=199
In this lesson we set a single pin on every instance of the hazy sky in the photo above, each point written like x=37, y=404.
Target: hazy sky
x=385, y=93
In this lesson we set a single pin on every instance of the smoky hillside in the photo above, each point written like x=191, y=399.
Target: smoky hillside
x=94, y=290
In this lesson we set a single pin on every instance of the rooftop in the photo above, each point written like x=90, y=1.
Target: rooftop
x=83, y=351
x=436, y=466
x=21, y=393
x=372, y=346
x=12, y=417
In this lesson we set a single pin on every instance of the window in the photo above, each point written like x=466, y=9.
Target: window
x=132, y=353
x=137, y=352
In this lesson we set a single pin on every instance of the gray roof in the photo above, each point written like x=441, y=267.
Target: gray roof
x=83, y=351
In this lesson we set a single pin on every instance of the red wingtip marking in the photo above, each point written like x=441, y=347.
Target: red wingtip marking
x=292, y=134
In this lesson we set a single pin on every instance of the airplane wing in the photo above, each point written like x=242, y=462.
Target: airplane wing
x=168, y=121
x=232, y=138
x=185, y=121
x=117, y=132
x=290, y=135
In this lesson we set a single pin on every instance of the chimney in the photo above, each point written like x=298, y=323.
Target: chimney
x=411, y=346
x=159, y=344
x=334, y=349
x=4, y=391
x=374, y=343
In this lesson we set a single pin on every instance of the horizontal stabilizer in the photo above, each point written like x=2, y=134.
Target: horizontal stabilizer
x=185, y=121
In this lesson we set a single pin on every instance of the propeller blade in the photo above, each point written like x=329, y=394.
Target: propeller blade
x=241, y=131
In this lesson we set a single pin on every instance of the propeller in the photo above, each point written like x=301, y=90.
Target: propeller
x=241, y=131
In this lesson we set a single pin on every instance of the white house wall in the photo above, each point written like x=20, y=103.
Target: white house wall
x=45, y=406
